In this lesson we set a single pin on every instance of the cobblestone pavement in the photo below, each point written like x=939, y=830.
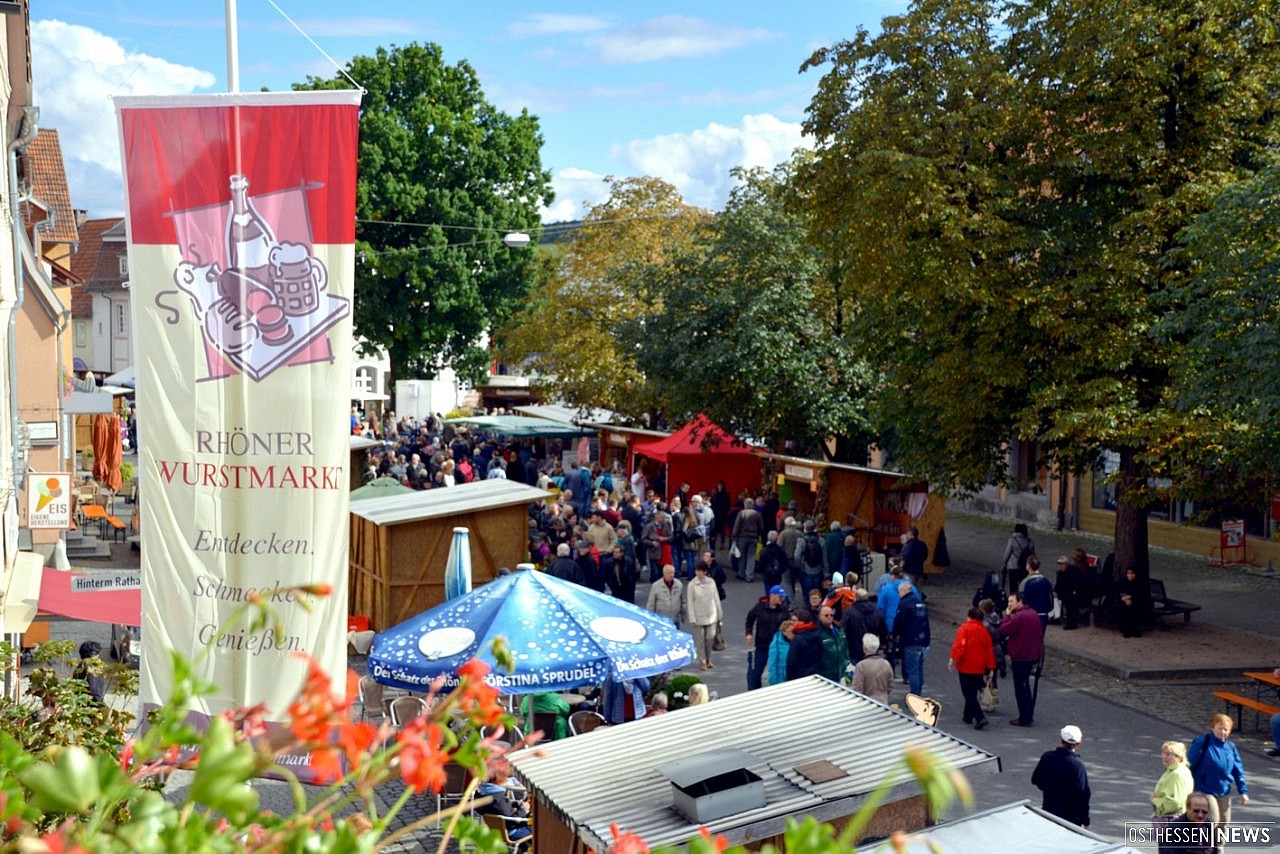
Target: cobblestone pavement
x=1236, y=630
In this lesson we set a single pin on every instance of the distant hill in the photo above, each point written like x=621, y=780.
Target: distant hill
x=553, y=231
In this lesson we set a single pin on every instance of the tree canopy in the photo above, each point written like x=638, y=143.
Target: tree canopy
x=443, y=175
x=1006, y=182
x=568, y=333
x=746, y=332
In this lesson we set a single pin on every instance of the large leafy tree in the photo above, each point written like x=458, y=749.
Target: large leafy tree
x=568, y=333
x=908, y=197
x=443, y=175
x=1228, y=315
x=747, y=333
x=1037, y=161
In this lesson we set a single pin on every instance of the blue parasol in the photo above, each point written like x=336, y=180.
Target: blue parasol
x=457, y=568
x=562, y=635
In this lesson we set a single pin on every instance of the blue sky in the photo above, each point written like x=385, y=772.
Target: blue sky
x=681, y=91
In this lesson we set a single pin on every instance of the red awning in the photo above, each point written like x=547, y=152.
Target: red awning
x=58, y=595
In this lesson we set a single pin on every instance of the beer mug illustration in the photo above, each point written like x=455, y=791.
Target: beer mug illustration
x=296, y=278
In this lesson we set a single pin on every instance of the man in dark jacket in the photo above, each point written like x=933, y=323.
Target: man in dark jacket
x=820, y=649
x=1070, y=590
x=590, y=567
x=1062, y=777
x=773, y=562
x=565, y=567
x=1037, y=591
x=859, y=619
x=911, y=628
x=914, y=554
x=620, y=574
x=763, y=621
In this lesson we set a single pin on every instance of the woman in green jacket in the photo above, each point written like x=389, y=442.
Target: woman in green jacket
x=1170, y=794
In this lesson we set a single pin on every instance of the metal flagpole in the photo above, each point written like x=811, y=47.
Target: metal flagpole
x=233, y=49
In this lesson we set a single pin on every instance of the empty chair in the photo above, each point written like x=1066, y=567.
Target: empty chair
x=583, y=721
x=370, y=698
x=924, y=709
x=405, y=709
x=505, y=824
x=456, y=780
x=546, y=721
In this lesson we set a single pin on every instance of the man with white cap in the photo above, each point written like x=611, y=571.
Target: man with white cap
x=1061, y=776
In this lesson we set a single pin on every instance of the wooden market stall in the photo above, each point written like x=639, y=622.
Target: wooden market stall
x=879, y=505
x=616, y=442
x=399, y=544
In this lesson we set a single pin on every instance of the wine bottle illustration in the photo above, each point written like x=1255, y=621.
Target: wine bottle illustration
x=249, y=236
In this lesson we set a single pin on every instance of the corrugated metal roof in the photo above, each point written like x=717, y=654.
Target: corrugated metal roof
x=1017, y=827
x=825, y=464
x=448, y=501
x=784, y=725
x=361, y=443
x=565, y=414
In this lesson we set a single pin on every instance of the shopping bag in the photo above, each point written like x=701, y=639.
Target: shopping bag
x=989, y=698
x=734, y=551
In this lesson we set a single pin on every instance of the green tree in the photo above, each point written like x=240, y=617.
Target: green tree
x=746, y=332
x=1038, y=161
x=1228, y=316
x=911, y=204
x=568, y=333
x=443, y=175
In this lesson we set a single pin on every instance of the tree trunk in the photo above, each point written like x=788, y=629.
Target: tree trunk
x=1131, y=519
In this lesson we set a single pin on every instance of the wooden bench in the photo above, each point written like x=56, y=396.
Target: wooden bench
x=1241, y=702
x=118, y=528
x=1163, y=606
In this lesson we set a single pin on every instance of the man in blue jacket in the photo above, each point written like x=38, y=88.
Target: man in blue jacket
x=911, y=627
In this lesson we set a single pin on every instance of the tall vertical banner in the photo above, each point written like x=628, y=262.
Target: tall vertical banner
x=241, y=218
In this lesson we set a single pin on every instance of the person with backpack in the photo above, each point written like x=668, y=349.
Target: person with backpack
x=1016, y=551
x=809, y=557
x=911, y=631
x=1037, y=591
x=1216, y=766
x=992, y=590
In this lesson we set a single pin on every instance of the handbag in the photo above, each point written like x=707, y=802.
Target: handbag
x=989, y=698
x=718, y=643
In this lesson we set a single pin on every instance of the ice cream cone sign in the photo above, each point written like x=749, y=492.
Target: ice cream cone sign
x=49, y=501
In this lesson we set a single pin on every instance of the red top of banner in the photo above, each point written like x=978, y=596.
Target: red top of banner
x=180, y=158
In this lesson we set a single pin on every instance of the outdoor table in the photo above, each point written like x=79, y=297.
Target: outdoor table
x=574, y=700
x=97, y=513
x=1261, y=678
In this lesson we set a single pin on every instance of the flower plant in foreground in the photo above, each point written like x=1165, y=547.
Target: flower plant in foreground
x=80, y=786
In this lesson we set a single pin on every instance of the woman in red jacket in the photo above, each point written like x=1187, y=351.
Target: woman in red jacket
x=973, y=656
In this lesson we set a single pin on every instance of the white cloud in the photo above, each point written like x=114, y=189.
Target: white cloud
x=672, y=36
x=698, y=163
x=76, y=72
x=553, y=24
x=575, y=190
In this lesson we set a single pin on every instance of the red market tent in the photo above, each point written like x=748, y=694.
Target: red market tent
x=702, y=453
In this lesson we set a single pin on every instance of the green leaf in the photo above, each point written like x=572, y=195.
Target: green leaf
x=223, y=771
x=68, y=784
